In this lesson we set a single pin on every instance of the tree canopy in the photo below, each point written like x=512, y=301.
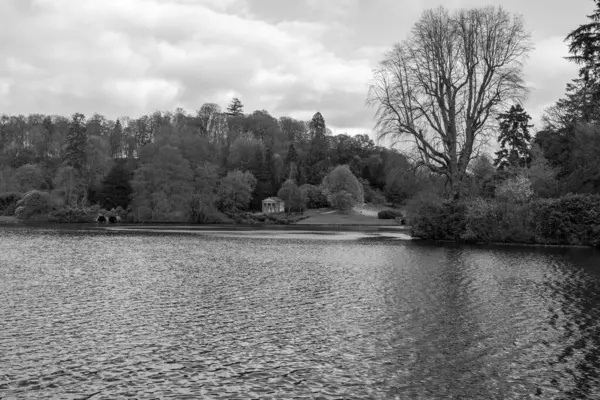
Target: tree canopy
x=439, y=87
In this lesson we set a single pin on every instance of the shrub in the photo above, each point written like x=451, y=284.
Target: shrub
x=211, y=216
x=33, y=203
x=573, y=219
x=400, y=185
x=378, y=198
x=342, y=188
x=342, y=200
x=570, y=220
x=517, y=189
x=389, y=214
x=235, y=190
x=432, y=218
x=292, y=195
x=71, y=214
x=8, y=202
x=120, y=212
x=314, y=196
x=482, y=221
x=10, y=210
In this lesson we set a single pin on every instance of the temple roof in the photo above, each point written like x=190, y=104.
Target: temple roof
x=273, y=200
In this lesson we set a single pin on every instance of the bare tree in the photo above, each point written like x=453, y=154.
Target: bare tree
x=439, y=88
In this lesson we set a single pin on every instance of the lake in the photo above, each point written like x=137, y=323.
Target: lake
x=94, y=313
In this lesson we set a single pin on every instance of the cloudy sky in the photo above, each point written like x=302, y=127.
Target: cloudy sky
x=130, y=57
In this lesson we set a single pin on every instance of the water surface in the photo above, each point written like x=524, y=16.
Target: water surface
x=104, y=314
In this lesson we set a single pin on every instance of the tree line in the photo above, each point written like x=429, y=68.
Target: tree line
x=451, y=85
x=189, y=167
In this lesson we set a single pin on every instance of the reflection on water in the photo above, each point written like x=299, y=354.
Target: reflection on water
x=273, y=234
x=107, y=314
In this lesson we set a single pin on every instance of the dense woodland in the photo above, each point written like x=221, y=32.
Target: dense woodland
x=202, y=166
x=176, y=166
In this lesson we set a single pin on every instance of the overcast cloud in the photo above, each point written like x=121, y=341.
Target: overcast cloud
x=292, y=58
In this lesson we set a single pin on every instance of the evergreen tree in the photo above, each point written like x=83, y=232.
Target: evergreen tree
x=292, y=155
x=585, y=49
x=49, y=131
x=268, y=165
x=291, y=163
x=75, y=154
x=317, y=125
x=514, y=134
x=264, y=179
x=301, y=172
x=116, y=137
x=235, y=108
x=116, y=189
x=319, y=149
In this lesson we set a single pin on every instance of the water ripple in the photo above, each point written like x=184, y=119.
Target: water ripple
x=115, y=314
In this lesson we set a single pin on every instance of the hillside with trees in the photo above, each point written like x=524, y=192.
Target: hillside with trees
x=455, y=83
x=176, y=166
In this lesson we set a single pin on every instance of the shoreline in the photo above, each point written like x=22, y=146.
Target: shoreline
x=506, y=244
x=193, y=227
x=164, y=225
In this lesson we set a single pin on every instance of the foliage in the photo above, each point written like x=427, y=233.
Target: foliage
x=70, y=214
x=243, y=153
x=542, y=175
x=292, y=154
x=573, y=219
x=8, y=202
x=517, y=189
x=263, y=172
x=491, y=221
x=433, y=218
x=371, y=195
x=98, y=164
x=210, y=140
x=34, y=202
x=319, y=147
x=116, y=189
x=235, y=190
x=68, y=184
x=569, y=220
x=294, y=197
x=277, y=167
x=8, y=182
x=514, y=133
x=585, y=52
x=582, y=172
x=342, y=188
x=389, y=214
x=342, y=200
x=162, y=188
x=445, y=110
x=235, y=108
x=483, y=174
x=314, y=196
x=401, y=185
x=75, y=154
x=30, y=177
x=212, y=216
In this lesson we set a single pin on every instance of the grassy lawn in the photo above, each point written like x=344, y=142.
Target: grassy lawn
x=365, y=216
x=8, y=220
